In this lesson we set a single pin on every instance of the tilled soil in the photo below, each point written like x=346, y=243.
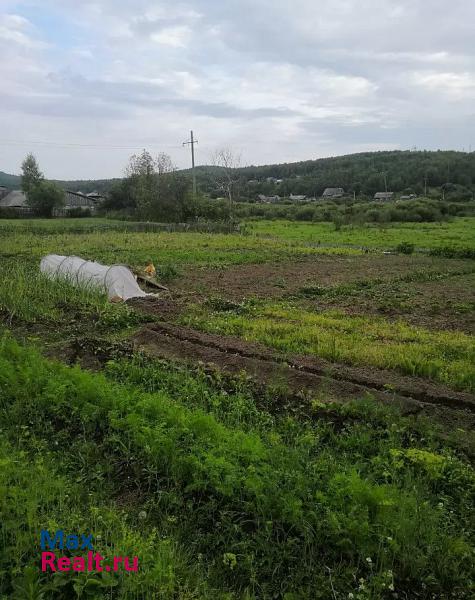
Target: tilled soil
x=298, y=373
x=448, y=303
x=275, y=280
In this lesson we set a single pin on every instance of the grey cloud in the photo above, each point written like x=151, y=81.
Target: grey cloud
x=261, y=69
x=101, y=94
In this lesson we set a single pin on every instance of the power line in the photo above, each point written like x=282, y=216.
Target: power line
x=74, y=145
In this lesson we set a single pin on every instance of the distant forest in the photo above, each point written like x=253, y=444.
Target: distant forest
x=365, y=174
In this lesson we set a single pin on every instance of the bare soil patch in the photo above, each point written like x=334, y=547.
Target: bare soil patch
x=279, y=279
x=447, y=303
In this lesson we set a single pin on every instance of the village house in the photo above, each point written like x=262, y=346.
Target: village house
x=15, y=201
x=268, y=199
x=333, y=193
x=297, y=197
x=384, y=195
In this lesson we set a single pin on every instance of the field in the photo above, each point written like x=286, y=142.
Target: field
x=455, y=234
x=292, y=419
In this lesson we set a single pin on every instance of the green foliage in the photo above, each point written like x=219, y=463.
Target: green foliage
x=44, y=197
x=154, y=189
x=363, y=173
x=36, y=494
x=405, y=248
x=31, y=177
x=362, y=494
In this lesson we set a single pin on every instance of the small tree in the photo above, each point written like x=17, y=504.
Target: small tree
x=31, y=174
x=143, y=181
x=44, y=197
x=225, y=175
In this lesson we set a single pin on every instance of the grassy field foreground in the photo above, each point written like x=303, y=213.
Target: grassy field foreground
x=220, y=492
x=361, y=501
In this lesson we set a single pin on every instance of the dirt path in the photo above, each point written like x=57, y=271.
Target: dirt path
x=297, y=373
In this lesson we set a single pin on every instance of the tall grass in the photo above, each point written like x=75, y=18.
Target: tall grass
x=362, y=502
x=30, y=296
x=448, y=357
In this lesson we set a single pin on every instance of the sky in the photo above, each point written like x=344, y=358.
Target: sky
x=85, y=84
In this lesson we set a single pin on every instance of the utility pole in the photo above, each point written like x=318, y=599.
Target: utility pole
x=192, y=143
x=425, y=185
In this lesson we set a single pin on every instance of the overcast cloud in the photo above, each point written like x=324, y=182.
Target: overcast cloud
x=84, y=83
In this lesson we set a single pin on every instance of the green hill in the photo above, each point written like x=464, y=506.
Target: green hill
x=364, y=173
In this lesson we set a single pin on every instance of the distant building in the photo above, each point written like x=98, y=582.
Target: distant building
x=333, y=193
x=78, y=201
x=384, y=196
x=297, y=197
x=268, y=199
x=274, y=180
x=15, y=201
x=409, y=197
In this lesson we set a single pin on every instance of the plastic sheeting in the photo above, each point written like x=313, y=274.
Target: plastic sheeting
x=118, y=281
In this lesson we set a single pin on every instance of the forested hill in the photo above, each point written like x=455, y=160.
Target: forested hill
x=12, y=182
x=364, y=173
x=81, y=185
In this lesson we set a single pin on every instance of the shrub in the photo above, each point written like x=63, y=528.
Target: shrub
x=405, y=248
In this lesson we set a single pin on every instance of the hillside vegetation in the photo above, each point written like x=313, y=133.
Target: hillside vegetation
x=363, y=173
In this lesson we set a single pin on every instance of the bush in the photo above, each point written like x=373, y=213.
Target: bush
x=405, y=248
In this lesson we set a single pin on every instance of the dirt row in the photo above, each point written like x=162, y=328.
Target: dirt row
x=298, y=373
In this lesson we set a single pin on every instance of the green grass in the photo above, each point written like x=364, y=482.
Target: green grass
x=448, y=357
x=458, y=233
x=36, y=493
x=163, y=248
x=29, y=296
x=360, y=501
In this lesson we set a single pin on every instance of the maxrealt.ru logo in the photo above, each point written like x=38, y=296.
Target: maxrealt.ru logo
x=52, y=560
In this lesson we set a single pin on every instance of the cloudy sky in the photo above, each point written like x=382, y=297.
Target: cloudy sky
x=84, y=84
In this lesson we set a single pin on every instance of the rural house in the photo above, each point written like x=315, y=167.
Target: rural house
x=384, y=195
x=15, y=202
x=333, y=193
x=268, y=199
x=78, y=201
x=297, y=197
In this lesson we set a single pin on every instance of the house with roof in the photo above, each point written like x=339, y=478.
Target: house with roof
x=268, y=199
x=330, y=193
x=384, y=196
x=297, y=197
x=14, y=201
x=77, y=202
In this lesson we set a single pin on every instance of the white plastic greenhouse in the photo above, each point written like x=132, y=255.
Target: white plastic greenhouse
x=118, y=281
